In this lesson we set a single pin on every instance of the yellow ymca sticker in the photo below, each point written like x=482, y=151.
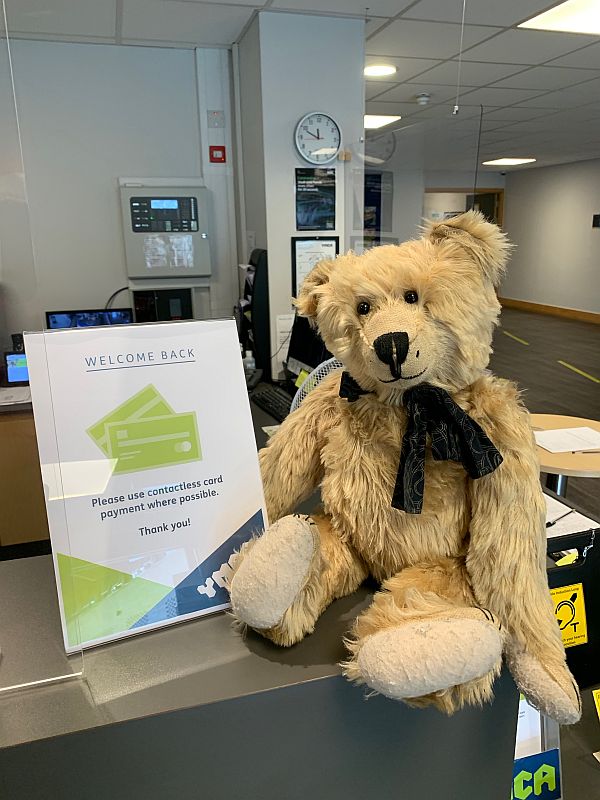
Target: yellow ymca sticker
x=596, y=696
x=569, y=610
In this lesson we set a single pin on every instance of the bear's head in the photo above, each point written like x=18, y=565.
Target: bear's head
x=423, y=311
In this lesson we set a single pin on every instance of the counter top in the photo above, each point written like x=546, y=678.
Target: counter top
x=181, y=666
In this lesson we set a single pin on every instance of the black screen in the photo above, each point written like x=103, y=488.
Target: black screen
x=307, y=350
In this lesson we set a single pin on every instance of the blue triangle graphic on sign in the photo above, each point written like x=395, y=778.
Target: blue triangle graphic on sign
x=203, y=588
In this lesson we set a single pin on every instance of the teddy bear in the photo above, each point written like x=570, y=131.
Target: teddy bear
x=429, y=481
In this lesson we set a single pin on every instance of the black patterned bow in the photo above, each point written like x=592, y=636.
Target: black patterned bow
x=454, y=437
x=349, y=388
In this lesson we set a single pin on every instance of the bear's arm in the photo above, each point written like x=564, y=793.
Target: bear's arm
x=290, y=464
x=506, y=558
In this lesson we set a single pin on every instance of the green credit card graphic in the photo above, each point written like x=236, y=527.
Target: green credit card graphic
x=144, y=433
x=147, y=403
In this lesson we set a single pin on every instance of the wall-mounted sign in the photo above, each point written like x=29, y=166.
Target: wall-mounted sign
x=150, y=471
x=315, y=199
x=308, y=251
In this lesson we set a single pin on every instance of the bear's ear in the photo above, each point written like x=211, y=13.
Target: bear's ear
x=483, y=241
x=308, y=296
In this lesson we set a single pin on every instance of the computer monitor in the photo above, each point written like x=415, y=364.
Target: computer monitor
x=88, y=318
x=15, y=369
x=307, y=350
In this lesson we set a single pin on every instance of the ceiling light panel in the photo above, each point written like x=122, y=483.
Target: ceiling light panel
x=379, y=70
x=574, y=16
x=405, y=67
x=373, y=121
x=482, y=12
x=507, y=162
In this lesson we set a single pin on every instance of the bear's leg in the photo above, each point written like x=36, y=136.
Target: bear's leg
x=424, y=639
x=284, y=580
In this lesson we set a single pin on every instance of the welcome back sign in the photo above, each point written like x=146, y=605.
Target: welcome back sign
x=150, y=471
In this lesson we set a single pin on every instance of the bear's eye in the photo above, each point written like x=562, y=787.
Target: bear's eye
x=411, y=296
x=363, y=307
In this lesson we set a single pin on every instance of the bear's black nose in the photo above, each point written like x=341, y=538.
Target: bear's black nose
x=392, y=349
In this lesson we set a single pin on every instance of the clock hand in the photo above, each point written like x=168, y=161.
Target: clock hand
x=312, y=134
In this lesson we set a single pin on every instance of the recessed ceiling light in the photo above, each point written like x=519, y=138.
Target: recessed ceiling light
x=507, y=162
x=379, y=70
x=574, y=16
x=379, y=120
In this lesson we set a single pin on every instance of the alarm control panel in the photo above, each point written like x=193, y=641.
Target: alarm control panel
x=163, y=214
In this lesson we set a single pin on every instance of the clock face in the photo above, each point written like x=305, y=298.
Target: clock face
x=379, y=147
x=318, y=138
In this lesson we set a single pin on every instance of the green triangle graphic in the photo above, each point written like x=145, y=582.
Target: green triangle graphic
x=99, y=601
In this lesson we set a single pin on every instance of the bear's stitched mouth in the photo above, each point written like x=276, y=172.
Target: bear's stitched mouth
x=403, y=377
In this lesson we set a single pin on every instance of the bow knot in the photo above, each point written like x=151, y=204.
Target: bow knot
x=454, y=437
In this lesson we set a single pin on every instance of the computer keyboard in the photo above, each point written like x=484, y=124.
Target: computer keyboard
x=274, y=400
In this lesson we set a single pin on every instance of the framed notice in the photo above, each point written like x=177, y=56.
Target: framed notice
x=308, y=251
x=315, y=199
x=150, y=471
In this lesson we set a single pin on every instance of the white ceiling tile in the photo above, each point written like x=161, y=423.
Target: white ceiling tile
x=256, y=4
x=472, y=73
x=515, y=113
x=373, y=88
x=548, y=78
x=406, y=68
x=490, y=96
x=374, y=24
x=580, y=95
x=377, y=8
x=587, y=57
x=84, y=17
x=482, y=12
x=425, y=39
x=406, y=92
x=525, y=47
x=175, y=21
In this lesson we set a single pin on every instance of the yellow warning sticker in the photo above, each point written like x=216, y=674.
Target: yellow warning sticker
x=596, y=696
x=569, y=609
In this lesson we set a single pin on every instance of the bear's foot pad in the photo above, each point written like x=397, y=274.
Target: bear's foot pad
x=429, y=655
x=552, y=691
x=274, y=572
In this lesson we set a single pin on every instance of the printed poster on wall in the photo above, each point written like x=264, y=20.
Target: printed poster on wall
x=150, y=471
x=315, y=199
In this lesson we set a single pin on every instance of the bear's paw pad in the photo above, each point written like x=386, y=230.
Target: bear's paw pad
x=274, y=572
x=426, y=656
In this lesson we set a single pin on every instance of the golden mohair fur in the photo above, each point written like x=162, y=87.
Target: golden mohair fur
x=477, y=543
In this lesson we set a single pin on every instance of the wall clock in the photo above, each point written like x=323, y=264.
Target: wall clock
x=317, y=138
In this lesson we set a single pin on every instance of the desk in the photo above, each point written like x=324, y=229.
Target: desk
x=561, y=465
x=21, y=492
x=195, y=710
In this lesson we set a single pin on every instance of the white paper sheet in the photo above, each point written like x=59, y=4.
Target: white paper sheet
x=568, y=440
x=284, y=324
x=14, y=395
x=573, y=523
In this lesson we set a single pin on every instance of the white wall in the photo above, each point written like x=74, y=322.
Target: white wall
x=252, y=155
x=91, y=113
x=451, y=179
x=307, y=64
x=548, y=215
